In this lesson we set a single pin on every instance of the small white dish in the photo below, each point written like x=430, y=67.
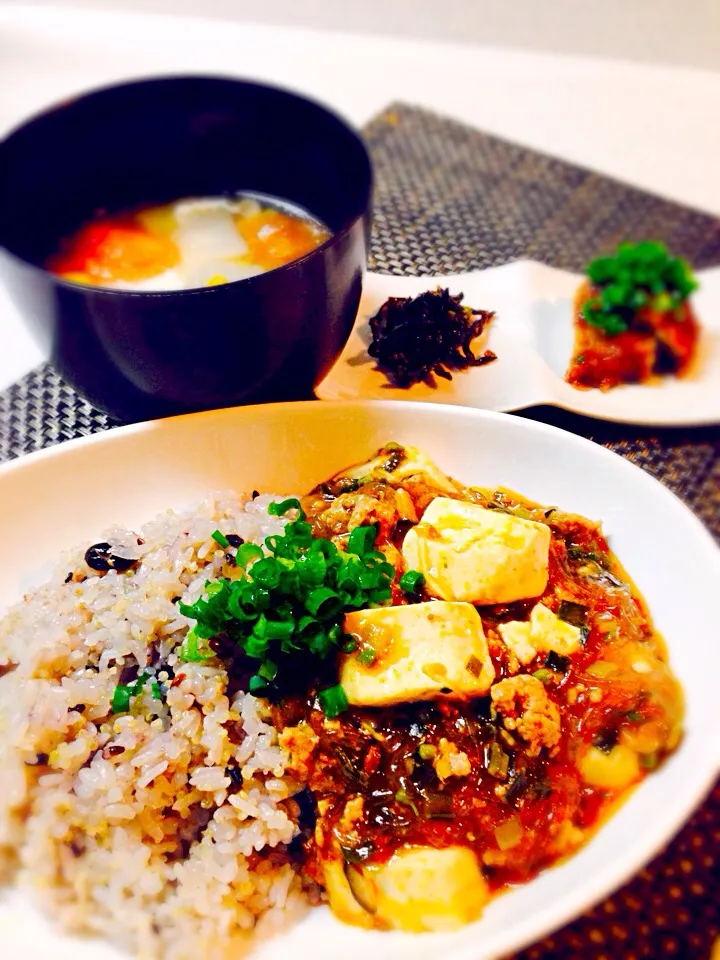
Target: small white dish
x=532, y=336
x=54, y=499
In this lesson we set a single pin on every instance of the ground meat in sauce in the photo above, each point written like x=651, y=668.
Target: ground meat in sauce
x=374, y=773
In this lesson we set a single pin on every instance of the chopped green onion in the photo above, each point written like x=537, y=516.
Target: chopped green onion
x=403, y=797
x=362, y=540
x=576, y=552
x=497, y=761
x=121, y=699
x=291, y=600
x=248, y=552
x=412, y=581
x=278, y=630
x=267, y=670
x=543, y=675
x=367, y=655
x=637, y=276
x=323, y=602
x=256, y=646
x=124, y=693
x=220, y=538
x=333, y=701
x=281, y=508
x=189, y=650
x=349, y=646
x=438, y=806
x=257, y=684
x=267, y=572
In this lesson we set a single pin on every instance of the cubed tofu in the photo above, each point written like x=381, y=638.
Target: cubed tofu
x=422, y=888
x=614, y=770
x=466, y=552
x=423, y=651
x=417, y=889
x=544, y=631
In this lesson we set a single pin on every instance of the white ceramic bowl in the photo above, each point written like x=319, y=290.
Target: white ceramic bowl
x=55, y=498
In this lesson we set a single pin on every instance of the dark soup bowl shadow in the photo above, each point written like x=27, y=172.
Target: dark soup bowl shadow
x=139, y=355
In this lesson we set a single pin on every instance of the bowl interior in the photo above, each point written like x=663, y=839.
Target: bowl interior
x=286, y=448
x=159, y=140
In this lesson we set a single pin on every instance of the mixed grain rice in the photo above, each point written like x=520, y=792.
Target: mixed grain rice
x=129, y=825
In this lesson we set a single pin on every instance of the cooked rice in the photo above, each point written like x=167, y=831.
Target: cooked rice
x=153, y=846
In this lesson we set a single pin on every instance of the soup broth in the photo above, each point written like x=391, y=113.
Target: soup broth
x=196, y=242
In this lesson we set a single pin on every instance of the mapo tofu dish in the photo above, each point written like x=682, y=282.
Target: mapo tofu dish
x=398, y=694
x=510, y=692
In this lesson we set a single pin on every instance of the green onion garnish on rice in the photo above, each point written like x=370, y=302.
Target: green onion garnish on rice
x=190, y=650
x=280, y=509
x=361, y=540
x=125, y=692
x=291, y=603
x=220, y=539
x=246, y=553
x=121, y=699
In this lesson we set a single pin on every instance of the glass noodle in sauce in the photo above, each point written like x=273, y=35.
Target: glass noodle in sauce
x=195, y=242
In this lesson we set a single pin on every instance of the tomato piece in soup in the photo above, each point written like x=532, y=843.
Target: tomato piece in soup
x=116, y=250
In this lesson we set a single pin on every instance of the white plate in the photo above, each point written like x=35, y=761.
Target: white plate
x=532, y=336
x=55, y=498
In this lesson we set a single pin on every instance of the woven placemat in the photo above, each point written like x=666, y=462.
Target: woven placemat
x=451, y=199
